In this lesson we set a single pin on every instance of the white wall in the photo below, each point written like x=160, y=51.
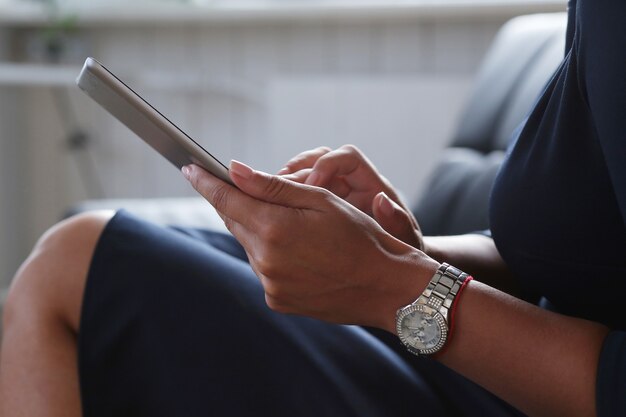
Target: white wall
x=13, y=243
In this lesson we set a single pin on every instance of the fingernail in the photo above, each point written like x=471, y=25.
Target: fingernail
x=186, y=171
x=240, y=169
x=386, y=206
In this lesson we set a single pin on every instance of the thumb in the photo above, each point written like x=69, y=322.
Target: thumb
x=394, y=219
x=270, y=188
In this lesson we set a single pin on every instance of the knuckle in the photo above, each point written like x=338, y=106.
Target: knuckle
x=272, y=290
x=218, y=196
x=274, y=187
x=272, y=233
x=11, y=301
x=270, y=301
x=349, y=148
x=307, y=158
x=194, y=180
x=325, y=196
x=294, y=162
x=275, y=304
x=324, y=149
x=265, y=265
x=326, y=162
x=228, y=223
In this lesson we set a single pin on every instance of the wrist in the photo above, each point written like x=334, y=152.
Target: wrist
x=433, y=249
x=425, y=326
x=414, y=276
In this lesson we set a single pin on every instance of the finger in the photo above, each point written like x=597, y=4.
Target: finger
x=273, y=188
x=304, y=160
x=336, y=186
x=344, y=161
x=298, y=176
x=339, y=187
x=393, y=218
x=232, y=204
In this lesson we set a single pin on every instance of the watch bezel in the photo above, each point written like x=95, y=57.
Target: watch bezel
x=423, y=309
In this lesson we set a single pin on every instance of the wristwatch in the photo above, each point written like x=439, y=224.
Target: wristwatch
x=424, y=325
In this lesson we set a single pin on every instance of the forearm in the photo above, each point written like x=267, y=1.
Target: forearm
x=541, y=362
x=475, y=254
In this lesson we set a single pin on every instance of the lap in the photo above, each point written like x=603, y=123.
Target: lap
x=174, y=322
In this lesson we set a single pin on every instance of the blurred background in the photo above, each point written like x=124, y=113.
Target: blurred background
x=255, y=80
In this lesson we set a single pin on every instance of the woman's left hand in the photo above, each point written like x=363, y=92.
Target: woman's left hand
x=315, y=254
x=349, y=174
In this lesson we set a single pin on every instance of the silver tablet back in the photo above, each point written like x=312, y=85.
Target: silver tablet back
x=144, y=120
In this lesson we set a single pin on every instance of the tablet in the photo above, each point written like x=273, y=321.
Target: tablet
x=147, y=122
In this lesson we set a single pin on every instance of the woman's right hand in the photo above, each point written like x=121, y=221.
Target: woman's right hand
x=349, y=174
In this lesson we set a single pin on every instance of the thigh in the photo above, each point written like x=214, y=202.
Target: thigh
x=174, y=322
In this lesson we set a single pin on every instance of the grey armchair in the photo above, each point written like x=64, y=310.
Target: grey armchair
x=519, y=63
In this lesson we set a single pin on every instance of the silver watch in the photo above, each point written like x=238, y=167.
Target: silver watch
x=423, y=325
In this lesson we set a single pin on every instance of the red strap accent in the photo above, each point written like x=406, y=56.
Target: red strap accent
x=455, y=304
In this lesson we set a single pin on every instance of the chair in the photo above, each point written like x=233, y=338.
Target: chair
x=524, y=54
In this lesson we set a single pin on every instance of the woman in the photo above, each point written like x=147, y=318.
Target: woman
x=175, y=322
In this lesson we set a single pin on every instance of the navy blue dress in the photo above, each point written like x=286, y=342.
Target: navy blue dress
x=174, y=321
x=558, y=208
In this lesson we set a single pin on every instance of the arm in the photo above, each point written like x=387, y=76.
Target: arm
x=541, y=362
x=475, y=254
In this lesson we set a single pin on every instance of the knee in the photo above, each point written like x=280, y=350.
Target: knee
x=74, y=233
x=51, y=280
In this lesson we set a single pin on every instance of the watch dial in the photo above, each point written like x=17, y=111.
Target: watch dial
x=421, y=330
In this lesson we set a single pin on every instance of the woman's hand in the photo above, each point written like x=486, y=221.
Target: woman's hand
x=319, y=256
x=348, y=173
x=315, y=254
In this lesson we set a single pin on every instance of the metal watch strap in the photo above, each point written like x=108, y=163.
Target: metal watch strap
x=443, y=288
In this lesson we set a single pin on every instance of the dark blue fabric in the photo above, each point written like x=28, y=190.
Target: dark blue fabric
x=611, y=392
x=174, y=323
x=558, y=208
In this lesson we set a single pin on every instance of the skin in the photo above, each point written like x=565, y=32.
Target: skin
x=38, y=363
x=361, y=245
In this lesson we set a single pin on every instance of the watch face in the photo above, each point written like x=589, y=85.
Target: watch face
x=422, y=329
